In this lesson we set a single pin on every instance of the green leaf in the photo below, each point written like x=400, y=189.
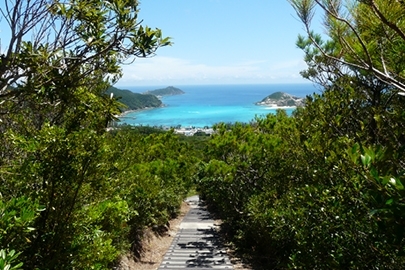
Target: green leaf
x=2, y=254
x=374, y=173
x=389, y=202
x=366, y=160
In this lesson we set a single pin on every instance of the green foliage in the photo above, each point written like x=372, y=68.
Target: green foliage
x=329, y=193
x=17, y=229
x=98, y=193
x=365, y=37
x=102, y=231
x=168, y=91
x=8, y=258
x=157, y=172
x=198, y=143
x=68, y=191
x=322, y=189
x=134, y=101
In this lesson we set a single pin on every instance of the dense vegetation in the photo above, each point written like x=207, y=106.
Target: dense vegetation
x=168, y=91
x=88, y=198
x=134, y=101
x=281, y=99
x=322, y=189
x=73, y=196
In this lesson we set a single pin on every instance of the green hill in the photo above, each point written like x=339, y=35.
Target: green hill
x=281, y=99
x=168, y=91
x=134, y=101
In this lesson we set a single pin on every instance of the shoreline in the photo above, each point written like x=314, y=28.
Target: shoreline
x=271, y=107
x=123, y=114
x=179, y=128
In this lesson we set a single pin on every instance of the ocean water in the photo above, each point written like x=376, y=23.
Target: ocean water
x=206, y=105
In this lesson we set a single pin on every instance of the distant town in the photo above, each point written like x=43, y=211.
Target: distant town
x=191, y=131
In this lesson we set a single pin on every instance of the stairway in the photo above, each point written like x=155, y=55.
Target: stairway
x=196, y=244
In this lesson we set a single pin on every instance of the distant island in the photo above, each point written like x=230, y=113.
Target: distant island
x=281, y=99
x=168, y=91
x=134, y=101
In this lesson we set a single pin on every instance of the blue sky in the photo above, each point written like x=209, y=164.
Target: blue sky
x=220, y=42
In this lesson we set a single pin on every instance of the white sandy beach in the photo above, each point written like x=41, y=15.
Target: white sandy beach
x=275, y=107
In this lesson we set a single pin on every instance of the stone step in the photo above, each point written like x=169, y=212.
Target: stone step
x=196, y=244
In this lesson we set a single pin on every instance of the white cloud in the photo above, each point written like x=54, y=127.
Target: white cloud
x=167, y=70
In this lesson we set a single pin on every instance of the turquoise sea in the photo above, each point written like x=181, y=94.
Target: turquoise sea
x=205, y=105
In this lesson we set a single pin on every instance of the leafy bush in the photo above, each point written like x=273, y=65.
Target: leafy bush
x=320, y=190
x=16, y=227
x=8, y=260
